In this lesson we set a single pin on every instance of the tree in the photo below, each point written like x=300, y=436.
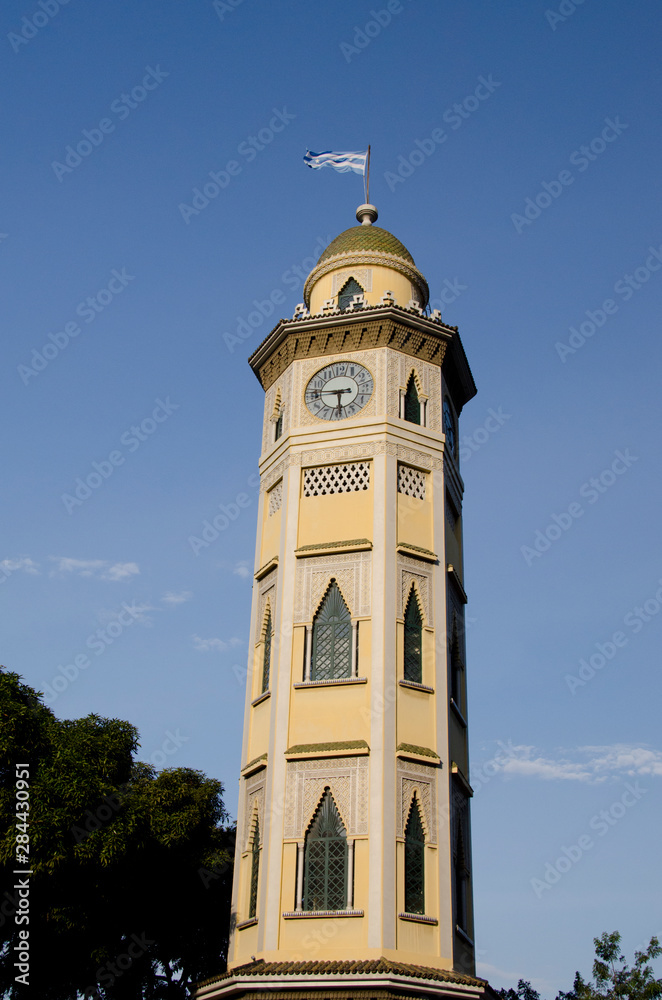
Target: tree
x=613, y=977
x=131, y=870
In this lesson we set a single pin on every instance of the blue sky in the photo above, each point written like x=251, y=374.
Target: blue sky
x=162, y=95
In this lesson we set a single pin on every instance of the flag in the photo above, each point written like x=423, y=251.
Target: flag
x=342, y=162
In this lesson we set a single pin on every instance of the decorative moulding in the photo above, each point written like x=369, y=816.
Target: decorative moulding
x=267, y=568
x=326, y=548
x=255, y=765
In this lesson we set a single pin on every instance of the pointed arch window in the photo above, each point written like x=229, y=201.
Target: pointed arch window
x=255, y=870
x=325, y=859
x=414, y=861
x=412, y=402
x=347, y=293
x=278, y=427
x=266, y=653
x=413, y=640
x=332, y=638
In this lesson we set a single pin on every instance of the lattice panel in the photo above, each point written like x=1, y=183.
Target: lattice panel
x=353, y=574
x=415, y=571
x=254, y=797
x=411, y=482
x=347, y=777
x=361, y=274
x=332, y=651
x=267, y=595
x=276, y=498
x=419, y=779
x=326, y=479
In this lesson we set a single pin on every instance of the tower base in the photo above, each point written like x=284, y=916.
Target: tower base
x=379, y=979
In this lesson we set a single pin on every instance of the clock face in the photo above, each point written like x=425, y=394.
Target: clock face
x=340, y=390
x=449, y=426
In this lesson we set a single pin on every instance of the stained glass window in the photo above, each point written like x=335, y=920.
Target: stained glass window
x=332, y=638
x=414, y=862
x=325, y=860
x=413, y=641
x=412, y=404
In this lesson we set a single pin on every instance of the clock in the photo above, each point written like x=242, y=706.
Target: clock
x=449, y=427
x=340, y=390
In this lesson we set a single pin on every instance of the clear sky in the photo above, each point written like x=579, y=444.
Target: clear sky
x=515, y=152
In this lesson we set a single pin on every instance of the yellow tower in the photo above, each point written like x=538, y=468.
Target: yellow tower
x=353, y=863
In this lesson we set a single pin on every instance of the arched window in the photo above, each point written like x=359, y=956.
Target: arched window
x=413, y=640
x=347, y=293
x=255, y=869
x=266, y=655
x=332, y=638
x=412, y=402
x=278, y=428
x=414, y=862
x=325, y=859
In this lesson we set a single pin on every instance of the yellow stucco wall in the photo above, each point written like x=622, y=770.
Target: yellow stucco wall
x=383, y=279
x=328, y=712
x=336, y=517
x=270, y=534
x=415, y=519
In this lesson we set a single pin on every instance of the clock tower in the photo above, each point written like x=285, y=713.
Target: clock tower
x=353, y=863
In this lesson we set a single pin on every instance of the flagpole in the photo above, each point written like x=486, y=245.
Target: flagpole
x=367, y=192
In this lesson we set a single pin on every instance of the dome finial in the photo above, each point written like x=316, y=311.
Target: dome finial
x=366, y=214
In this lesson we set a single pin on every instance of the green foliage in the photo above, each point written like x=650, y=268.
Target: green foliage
x=130, y=891
x=613, y=977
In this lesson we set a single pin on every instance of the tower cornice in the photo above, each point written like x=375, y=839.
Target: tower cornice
x=388, y=325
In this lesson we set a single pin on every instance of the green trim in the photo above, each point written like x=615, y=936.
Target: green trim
x=333, y=545
x=257, y=760
x=421, y=751
x=323, y=747
x=268, y=566
x=405, y=546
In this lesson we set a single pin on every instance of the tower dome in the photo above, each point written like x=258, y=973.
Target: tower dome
x=365, y=260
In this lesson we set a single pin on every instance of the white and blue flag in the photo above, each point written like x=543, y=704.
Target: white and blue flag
x=342, y=162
